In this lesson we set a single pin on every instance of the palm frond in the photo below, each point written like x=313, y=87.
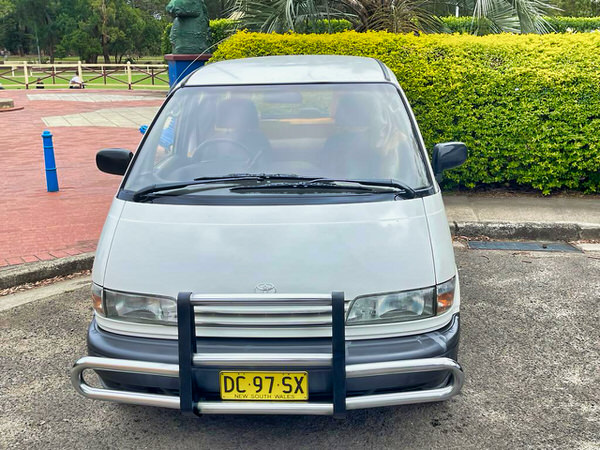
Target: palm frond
x=531, y=15
x=282, y=15
x=499, y=15
x=513, y=16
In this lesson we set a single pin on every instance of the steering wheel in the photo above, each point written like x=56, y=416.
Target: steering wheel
x=249, y=154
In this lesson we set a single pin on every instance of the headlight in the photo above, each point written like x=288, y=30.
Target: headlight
x=136, y=307
x=402, y=306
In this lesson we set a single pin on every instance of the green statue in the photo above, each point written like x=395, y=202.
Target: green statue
x=189, y=34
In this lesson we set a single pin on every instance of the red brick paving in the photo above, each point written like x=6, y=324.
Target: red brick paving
x=37, y=225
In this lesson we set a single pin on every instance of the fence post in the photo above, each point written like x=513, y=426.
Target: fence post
x=26, y=74
x=79, y=71
x=49, y=162
x=129, y=74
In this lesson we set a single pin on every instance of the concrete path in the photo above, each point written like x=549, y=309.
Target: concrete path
x=522, y=208
x=94, y=97
x=110, y=117
x=522, y=216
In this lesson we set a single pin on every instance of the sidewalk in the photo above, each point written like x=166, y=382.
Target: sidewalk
x=524, y=216
x=39, y=226
x=522, y=208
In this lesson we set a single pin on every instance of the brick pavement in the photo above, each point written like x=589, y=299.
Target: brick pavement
x=37, y=225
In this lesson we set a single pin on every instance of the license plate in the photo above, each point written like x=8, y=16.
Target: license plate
x=264, y=385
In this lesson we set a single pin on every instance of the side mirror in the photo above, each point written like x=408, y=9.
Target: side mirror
x=447, y=156
x=113, y=160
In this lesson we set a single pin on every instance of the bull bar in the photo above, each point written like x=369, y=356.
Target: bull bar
x=190, y=399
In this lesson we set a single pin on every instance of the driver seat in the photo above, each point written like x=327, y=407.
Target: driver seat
x=236, y=121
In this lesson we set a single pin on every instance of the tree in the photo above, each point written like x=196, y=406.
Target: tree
x=284, y=15
x=397, y=16
x=517, y=16
x=155, y=8
x=578, y=8
x=514, y=16
x=110, y=28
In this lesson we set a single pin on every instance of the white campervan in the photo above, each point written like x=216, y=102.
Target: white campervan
x=278, y=245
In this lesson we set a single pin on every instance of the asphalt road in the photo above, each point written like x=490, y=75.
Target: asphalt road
x=530, y=348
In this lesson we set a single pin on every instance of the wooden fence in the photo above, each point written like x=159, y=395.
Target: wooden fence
x=25, y=75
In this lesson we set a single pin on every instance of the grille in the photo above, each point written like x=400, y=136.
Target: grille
x=278, y=316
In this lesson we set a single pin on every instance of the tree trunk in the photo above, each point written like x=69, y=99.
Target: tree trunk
x=105, y=51
x=103, y=33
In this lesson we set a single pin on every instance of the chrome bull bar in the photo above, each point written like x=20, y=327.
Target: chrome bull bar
x=190, y=400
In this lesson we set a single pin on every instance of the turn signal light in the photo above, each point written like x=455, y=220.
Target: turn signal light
x=97, y=302
x=445, y=296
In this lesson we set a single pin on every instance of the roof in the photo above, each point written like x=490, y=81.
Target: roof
x=290, y=69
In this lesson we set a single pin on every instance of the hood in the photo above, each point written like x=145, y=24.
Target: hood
x=357, y=248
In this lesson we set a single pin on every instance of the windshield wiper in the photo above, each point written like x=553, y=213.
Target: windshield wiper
x=304, y=182
x=304, y=185
x=397, y=187
x=261, y=176
x=143, y=193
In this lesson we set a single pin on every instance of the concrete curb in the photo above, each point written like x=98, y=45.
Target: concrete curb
x=527, y=230
x=37, y=271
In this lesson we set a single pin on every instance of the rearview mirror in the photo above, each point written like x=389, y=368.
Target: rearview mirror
x=113, y=160
x=447, y=156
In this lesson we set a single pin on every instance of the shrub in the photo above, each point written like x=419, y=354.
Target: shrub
x=576, y=24
x=465, y=25
x=165, y=42
x=527, y=106
x=558, y=24
x=221, y=29
x=326, y=26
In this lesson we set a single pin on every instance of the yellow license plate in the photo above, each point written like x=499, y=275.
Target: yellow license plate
x=264, y=385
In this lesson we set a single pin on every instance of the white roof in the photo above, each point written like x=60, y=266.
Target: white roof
x=290, y=69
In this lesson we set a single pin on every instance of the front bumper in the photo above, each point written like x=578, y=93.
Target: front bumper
x=380, y=372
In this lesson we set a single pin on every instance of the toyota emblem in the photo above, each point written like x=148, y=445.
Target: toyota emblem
x=265, y=288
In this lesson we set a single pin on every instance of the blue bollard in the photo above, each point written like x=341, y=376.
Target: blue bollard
x=50, y=163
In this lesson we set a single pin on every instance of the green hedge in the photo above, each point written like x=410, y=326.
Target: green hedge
x=463, y=25
x=528, y=106
x=558, y=24
x=326, y=26
x=574, y=24
x=221, y=29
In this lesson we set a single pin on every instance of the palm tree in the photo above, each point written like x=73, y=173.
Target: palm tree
x=398, y=16
x=283, y=15
x=512, y=16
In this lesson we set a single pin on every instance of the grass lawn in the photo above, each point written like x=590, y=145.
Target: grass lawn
x=33, y=59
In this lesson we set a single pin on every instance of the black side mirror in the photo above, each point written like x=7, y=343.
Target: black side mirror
x=113, y=160
x=447, y=156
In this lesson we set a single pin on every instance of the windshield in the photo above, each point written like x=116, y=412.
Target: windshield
x=345, y=131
